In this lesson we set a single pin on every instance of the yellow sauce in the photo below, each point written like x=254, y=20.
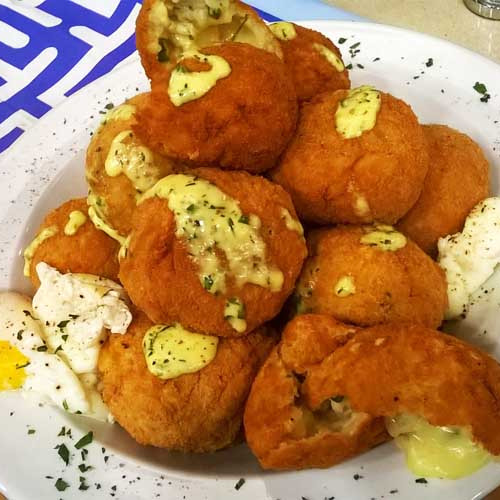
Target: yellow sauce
x=171, y=351
x=95, y=204
x=385, y=238
x=234, y=314
x=12, y=361
x=345, y=287
x=283, y=30
x=291, y=223
x=127, y=157
x=122, y=112
x=357, y=113
x=330, y=56
x=76, y=220
x=207, y=219
x=431, y=451
x=30, y=250
x=186, y=86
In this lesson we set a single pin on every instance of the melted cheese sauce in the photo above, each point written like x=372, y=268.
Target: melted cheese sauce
x=172, y=351
x=291, y=223
x=385, y=238
x=12, y=361
x=345, y=286
x=127, y=157
x=330, y=56
x=234, y=314
x=122, y=112
x=357, y=113
x=30, y=250
x=283, y=30
x=185, y=86
x=209, y=220
x=75, y=221
x=445, y=452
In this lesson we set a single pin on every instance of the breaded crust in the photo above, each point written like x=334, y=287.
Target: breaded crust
x=375, y=177
x=89, y=251
x=391, y=369
x=281, y=428
x=390, y=286
x=312, y=73
x=117, y=193
x=159, y=22
x=162, y=279
x=244, y=122
x=458, y=179
x=198, y=412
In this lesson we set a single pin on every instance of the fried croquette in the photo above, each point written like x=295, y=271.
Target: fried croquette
x=375, y=176
x=246, y=257
x=281, y=429
x=314, y=61
x=351, y=277
x=197, y=412
x=119, y=166
x=457, y=180
x=396, y=369
x=244, y=121
x=75, y=246
x=166, y=29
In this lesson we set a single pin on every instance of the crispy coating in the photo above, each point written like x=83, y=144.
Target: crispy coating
x=458, y=179
x=160, y=22
x=162, y=279
x=281, y=429
x=392, y=369
x=390, y=286
x=312, y=73
x=375, y=177
x=244, y=122
x=118, y=194
x=88, y=251
x=197, y=412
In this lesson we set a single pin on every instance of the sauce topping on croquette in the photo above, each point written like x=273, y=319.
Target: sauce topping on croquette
x=210, y=221
x=96, y=204
x=345, y=286
x=357, y=113
x=185, y=85
x=291, y=223
x=283, y=30
x=384, y=237
x=234, y=314
x=431, y=451
x=122, y=112
x=125, y=156
x=330, y=56
x=76, y=220
x=172, y=351
x=30, y=250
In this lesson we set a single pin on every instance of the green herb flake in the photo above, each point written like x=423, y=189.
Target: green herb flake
x=62, y=432
x=63, y=324
x=61, y=485
x=65, y=405
x=342, y=40
x=31, y=431
x=244, y=219
x=109, y=106
x=191, y=208
x=65, y=337
x=421, y=480
x=480, y=88
x=430, y=62
x=215, y=13
x=163, y=53
x=41, y=348
x=207, y=282
x=63, y=452
x=84, y=468
x=239, y=484
x=83, y=485
x=85, y=440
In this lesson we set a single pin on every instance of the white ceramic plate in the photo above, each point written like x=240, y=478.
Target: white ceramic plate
x=45, y=168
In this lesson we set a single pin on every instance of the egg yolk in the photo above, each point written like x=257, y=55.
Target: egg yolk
x=12, y=363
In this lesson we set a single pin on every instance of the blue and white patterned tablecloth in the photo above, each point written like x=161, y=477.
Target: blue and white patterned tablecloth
x=51, y=48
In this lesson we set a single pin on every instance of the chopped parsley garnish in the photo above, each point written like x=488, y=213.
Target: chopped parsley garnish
x=65, y=337
x=63, y=452
x=62, y=432
x=65, y=405
x=59, y=348
x=61, y=485
x=239, y=484
x=421, y=480
x=355, y=45
x=109, y=106
x=191, y=208
x=430, y=62
x=63, y=324
x=83, y=485
x=480, y=88
x=84, y=468
x=85, y=440
x=74, y=316
x=22, y=366
x=207, y=282
x=342, y=40
x=243, y=219
x=31, y=431
x=215, y=13
x=19, y=335
x=41, y=348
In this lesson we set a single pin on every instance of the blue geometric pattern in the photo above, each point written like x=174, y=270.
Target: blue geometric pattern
x=54, y=48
